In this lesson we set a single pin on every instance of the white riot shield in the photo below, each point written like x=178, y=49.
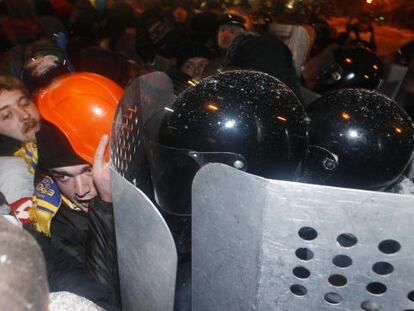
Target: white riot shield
x=147, y=257
x=262, y=244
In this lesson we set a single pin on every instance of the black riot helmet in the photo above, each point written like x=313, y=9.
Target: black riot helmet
x=351, y=67
x=358, y=139
x=246, y=119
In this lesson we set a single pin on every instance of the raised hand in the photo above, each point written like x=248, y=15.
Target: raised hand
x=100, y=171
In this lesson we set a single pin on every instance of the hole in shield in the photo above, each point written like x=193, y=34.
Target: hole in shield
x=411, y=296
x=376, y=288
x=342, y=261
x=301, y=272
x=304, y=253
x=308, y=233
x=337, y=280
x=370, y=306
x=347, y=239
x=333, y=298
x=298, y=290
x=389, y=246
x=383, y=268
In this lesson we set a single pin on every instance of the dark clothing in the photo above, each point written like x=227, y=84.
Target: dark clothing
x=89, y=239
x=216, y=62
x=180, y=81
x=69, y=231
x=17, y=30
x=264, y=53
x=101, y=258
x=8, y=145
x=65, y=273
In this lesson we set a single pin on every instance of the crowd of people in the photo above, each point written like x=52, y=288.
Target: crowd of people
x=73, y=90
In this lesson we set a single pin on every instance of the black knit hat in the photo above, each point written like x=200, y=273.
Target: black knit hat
x=264, y=53
x=191, y=50
x=54, y=149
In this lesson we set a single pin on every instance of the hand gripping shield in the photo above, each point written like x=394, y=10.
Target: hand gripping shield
x=263, y=244
x=147, y=258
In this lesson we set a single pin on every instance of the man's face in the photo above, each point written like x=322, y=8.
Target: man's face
x=226, y=34
x=19, y=117
x=76, y=183
x=180, y=15
x=194, y=67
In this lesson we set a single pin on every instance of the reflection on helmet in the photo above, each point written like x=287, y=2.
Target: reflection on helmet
x=358, y=139
x=352, y=67
x=82, y=106
x=245, y=119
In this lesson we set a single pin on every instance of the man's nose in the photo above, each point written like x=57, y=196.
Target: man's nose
x=198, y=70
x=82, y=186
x=23, y=114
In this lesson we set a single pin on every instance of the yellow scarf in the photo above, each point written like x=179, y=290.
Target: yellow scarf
x=47, y=198
x=28, y=152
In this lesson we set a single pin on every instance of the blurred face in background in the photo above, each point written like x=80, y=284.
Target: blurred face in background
x=180, y=15
x=19, y=117
x=194, y=67
x=226, y=34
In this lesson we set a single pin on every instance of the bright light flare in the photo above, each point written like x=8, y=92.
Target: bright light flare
x=346, y=116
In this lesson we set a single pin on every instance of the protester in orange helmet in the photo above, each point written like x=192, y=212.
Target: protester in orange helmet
x=73, y=202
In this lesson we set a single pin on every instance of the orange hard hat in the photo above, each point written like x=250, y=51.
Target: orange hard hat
x=82, y=105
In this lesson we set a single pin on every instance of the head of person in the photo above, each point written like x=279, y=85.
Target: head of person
x=358, y=139
x=19, y=117
x=192, y=60
x=180, y=14
x=248, y=120
x=230, y=26
x=264, y=53
x=43, y=61
x=156, y=33
x=78, y=110
x=351, y=67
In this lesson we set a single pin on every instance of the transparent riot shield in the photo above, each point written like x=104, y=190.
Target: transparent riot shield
x=144, y=97
x=262, y=244
x=393, y=81
x=147, y=257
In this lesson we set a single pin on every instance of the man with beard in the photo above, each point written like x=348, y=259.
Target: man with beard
x=19, y=121
x=19, y=118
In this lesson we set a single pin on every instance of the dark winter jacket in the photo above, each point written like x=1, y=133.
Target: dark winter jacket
x=89, y=239
x=8, y=145
x=66, y=273
x=69, y=231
